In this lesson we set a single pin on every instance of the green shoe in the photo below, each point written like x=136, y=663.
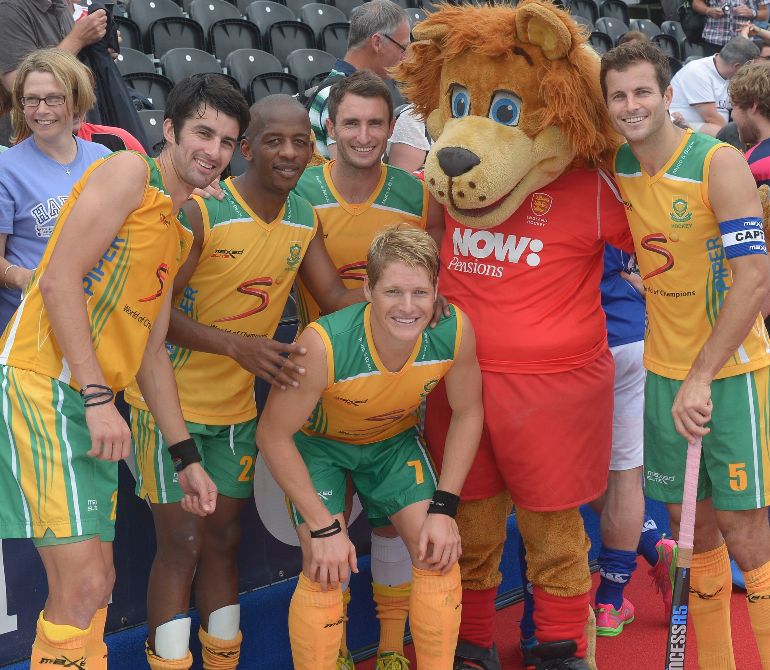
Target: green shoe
x=345, y=662
x=391, y=660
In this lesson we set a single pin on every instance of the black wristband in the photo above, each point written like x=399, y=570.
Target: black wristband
x=97, y=387
x=92, y=399
x=444, y=502
x=328, y=531
x=184, y=453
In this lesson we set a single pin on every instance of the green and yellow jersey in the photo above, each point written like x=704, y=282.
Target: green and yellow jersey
x=364, y=402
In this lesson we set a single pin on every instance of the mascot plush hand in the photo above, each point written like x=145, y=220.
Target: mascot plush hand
x=512, y=99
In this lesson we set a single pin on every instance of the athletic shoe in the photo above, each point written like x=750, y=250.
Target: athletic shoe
x=558, y=656
x=610, y=622
x=527, y=644
x=663, y=571
x=472, y=657
x=345, y=661
x=391, y=660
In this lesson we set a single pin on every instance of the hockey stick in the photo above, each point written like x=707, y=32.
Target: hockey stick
x=677, y=628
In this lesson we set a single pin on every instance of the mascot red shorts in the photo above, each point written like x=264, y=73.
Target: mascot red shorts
x=547, y=437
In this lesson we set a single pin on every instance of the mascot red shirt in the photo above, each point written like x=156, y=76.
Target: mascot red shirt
x=531, y=288
x=511, y=97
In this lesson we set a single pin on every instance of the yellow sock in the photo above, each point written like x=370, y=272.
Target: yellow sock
x=219, y=654
x=58, y=645
x=96, y=649
x=157, y=663
x=711, y=586
x=434, y=614
x=758, y=599
x=345, y=603
x=315, y=625
x=392, y=609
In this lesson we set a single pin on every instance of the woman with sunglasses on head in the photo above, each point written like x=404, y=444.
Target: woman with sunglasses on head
x=52, y=90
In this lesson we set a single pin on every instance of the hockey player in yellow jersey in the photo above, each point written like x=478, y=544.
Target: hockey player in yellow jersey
x=355, y=197
x=95, y=315
x=229, y=296
x=696, y=219
x=368, y=368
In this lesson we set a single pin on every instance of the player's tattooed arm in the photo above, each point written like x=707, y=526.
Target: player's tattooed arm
x=322, y=279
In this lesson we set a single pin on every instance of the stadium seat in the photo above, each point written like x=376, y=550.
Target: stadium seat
x=305, y=64
x=346, y=6
x=674, y=28
x=208, y=12
x=237, y=163
x=183, y=61
x=612, y=27
x=272, y=82
x=152, y=123
x=601, y=42
x=583, y=21
x=296, y=5
x=668, y=45
x=264, y=13
x=318, y=16
x=674, y=65
x=406, y=4
x=587, y=8
x=245, y=64
x=144, y=14
x=416, y=15
x=173, y=32
x=130, y=35
x=153, y=86
x=131, y=60
x=649, y=28
x=334, y=39
x=287, y=36
x=243, y=5
x=614, y=9
x=229, y=35
x=692, y=51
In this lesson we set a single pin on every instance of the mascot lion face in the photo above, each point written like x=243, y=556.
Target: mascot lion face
x=511, y=97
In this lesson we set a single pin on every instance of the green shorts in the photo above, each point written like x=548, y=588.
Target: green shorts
x=734, y=463
x=388, y=475
x=49, y=487
x=228, y=453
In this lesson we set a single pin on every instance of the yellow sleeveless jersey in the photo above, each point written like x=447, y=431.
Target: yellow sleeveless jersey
x=682, y=259
x=123, y=292
x=364, y=402
x=399, y=197
x=246, y=270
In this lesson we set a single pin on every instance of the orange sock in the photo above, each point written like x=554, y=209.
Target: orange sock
x=711, y=586
x=219, y=654
x=758, y=599
x=58, y=645
x=315, y=625
x=345, y=603
x=434, y=612
x=96, y=649
x=157, y=663
x=392, y=609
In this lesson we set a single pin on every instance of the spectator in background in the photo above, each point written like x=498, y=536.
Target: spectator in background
x=409, y=143
x=750, y=93
x=725, y=20
x=700, y=87
x=379, y=36
x=633, y=36
x=52, y=89
x=27, y=25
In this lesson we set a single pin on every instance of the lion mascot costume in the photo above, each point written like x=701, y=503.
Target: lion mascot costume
x=511, y=97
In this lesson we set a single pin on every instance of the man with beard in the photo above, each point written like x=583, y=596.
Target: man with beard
x=750, y=93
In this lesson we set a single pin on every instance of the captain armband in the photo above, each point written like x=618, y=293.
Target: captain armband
x=743, y=237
